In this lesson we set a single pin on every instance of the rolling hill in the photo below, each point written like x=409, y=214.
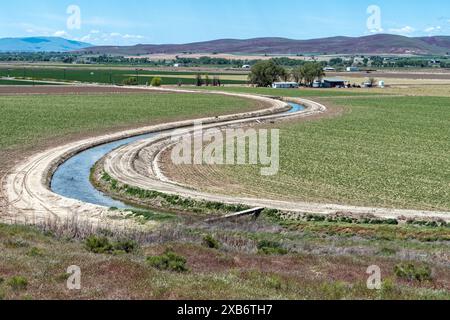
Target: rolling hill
x=40, y=44
x=373, y=44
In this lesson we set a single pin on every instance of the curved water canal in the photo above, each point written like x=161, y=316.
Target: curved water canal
x=72, y=178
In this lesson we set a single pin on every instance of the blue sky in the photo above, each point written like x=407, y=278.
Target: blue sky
x=181, y=21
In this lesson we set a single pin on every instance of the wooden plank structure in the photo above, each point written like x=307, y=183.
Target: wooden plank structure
x=255, y=212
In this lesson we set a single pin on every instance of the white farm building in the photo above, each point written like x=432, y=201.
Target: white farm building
x=285, y=85
x=352, y=69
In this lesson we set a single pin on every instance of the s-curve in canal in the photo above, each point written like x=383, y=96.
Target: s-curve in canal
x=72, y=178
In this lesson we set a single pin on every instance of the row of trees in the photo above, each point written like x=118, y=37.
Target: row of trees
x=133, y=81
x=264, y=73
x=38, y=57
x=207, y=81
x=237, y=63
x=157, y=81
x=307, y=73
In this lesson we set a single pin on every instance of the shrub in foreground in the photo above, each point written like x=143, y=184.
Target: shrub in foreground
x=210, y=242
x=103, y=245
x=271, y=248
x=35, y=252
x=18, y=283
x=98, y=244
x=169, y=261
x=126, y=246
x=413, y=273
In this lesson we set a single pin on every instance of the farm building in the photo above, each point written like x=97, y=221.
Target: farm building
x=285, y=85
x=334, y=83
x=352, y=69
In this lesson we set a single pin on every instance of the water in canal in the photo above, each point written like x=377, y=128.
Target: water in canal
x=72, y=178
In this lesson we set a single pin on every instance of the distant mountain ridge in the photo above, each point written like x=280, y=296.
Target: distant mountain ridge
x=373, y=44
x=41, y=44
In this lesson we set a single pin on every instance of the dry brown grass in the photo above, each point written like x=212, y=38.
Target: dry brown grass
x=43, y=257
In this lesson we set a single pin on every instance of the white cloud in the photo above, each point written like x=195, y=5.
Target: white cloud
x=86, y=38
x=404, y=30
x=132, y=36
x=94, y=36
x=125, y=36
x=33, y=29
x=61, y=33
x=376, y=30
x=99, y=37
x=433, y=29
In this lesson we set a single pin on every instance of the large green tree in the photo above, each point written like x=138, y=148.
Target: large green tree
x=308, y=72
x=297, y=74
x=264, y=73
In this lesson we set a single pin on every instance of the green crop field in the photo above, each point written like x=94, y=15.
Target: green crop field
x=28, y=118
x=113, y=76
x=384, y=151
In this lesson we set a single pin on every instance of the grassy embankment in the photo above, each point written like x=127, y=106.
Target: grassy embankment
x=248, y=260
